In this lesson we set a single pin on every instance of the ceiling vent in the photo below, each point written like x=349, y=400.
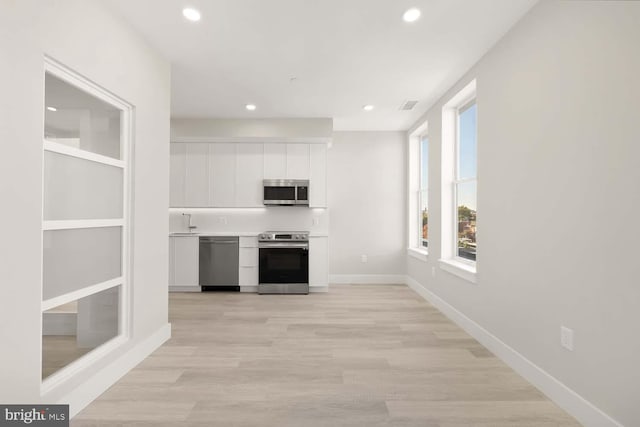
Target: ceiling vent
x=408, y=105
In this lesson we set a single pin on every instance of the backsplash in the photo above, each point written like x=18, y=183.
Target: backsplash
x=274, y=218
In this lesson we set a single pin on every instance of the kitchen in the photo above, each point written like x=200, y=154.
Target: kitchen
x=242, y=189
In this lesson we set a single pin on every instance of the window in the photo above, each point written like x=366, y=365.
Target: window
x=459, y=243
x=85, y=223
x=423, y=194
x=418, y=193
x=465, y=181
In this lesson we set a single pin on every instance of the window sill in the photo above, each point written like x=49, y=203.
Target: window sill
x=420, y=254
x=460, y=269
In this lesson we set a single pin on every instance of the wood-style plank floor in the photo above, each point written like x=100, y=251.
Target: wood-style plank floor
x=365, y=356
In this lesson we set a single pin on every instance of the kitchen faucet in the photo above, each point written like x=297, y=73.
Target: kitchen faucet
x=189, y=226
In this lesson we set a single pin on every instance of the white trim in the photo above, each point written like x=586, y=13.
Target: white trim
x=466, y=271
x=66, y=150
x=80, y=364
x=126, y=164
x=268, y=139
x=73, y=224
x=74, y=79
x=577, y=406
x=89, y=390
x=366, y=279
x=80, y=293
x=421, y=254
x=317, y=289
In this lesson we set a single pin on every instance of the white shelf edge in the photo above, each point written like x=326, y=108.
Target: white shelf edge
x=80, y=293
x=56, y=147
x=81, y=223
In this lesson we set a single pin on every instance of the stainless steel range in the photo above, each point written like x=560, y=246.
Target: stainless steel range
x=283, y=262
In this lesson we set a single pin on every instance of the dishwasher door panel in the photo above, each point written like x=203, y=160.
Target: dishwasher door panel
x=218, y=261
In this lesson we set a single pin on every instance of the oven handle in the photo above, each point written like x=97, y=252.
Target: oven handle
x=284, y=245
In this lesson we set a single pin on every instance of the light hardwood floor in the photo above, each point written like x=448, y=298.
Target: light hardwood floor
x=359, y=355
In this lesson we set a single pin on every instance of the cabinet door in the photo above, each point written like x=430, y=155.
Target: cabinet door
x=275, y=161
x=184, y=262
x=318, y=176
x=249, y=173
x=196, y=184
x=297, y=161
x=318, y=261
x=222, y=175
x=177, y=174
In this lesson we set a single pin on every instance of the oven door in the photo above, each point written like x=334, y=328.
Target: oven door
x=284, y=263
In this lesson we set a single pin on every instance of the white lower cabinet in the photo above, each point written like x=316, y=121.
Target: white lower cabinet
x=248, y=261
x=183, y=263
x=318, y=261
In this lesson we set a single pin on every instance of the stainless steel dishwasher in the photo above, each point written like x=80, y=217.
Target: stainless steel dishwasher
x=219, y=263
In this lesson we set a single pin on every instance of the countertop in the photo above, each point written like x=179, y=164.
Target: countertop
x=228, y=233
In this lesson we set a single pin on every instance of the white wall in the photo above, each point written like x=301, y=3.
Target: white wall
x=367, y=195
x=251, y=128
x=557, y=199
x=84, y=36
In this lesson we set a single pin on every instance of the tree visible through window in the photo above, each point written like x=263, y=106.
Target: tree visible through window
x=465, y=182
x=423, y=193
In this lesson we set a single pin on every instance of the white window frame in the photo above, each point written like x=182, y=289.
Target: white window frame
x=66, y=373
x=414, y=229
x=450, y=261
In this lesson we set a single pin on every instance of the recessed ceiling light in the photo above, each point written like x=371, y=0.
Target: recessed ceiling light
x=52, y=109
x=367, y=107
x=191, y=14
x=411, y=15
x=250, y=107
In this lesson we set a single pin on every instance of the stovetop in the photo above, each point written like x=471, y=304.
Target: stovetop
x=284, y=236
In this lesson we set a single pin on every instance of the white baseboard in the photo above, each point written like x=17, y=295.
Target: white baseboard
x=577, y=406
x=367, y=279
x=318, y=289
x=86, y=393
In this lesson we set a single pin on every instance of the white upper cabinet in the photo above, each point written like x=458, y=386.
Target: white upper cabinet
x=275, y=161
x=196, y=184
x=177, y=174
x=249, y=174
x=222, y=174
x=230, y=174
x=318, y=175
x=297, y=161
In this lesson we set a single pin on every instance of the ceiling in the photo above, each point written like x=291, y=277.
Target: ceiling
x=318, y=58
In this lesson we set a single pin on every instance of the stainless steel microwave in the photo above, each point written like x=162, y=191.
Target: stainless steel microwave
x=286, y=192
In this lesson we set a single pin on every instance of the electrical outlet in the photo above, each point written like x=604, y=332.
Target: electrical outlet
x=364, y=258
x=433, y=272
x=316, y=221
x=566, y=338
